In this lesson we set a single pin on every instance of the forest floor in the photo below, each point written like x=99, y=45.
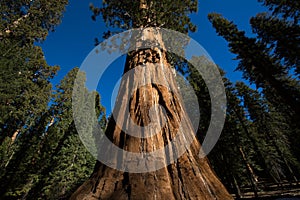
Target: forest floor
x=284, y=191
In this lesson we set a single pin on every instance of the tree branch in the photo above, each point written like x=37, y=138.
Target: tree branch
x=15, y=24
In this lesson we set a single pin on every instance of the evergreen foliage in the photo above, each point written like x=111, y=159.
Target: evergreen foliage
x=271, y=132
x=124, y=15
x=50, y=162
x=41, y=154
x=265, y=124
x=25, y=76
x=39, y=145
x=258, y=66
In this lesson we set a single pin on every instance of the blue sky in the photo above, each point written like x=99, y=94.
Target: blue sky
x=74, y=38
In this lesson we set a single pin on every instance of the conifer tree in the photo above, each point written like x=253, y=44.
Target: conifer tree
x=236, y=153
x=270, y=60
x=70, y=162
x=283, y=38
x=272, y=131
x=258, y=66
x=187, y=178
x=25, y=76
x=52, y=151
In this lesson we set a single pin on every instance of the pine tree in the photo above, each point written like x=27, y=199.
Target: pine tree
x=270, y=60
x=258, y=66
x=189, y=177
x=286, y=9
x=51, y=151
x=25, y=76
x=70, y=162
x=25, y=88
x=70, y=167
x=26, y=20
x=283, y=38
x=280, y=31
x=236, y=153
x=272, y=133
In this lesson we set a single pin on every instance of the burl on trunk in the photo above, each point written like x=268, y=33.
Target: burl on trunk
x=156, y=106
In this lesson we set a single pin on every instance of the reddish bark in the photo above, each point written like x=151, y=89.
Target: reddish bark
x=189, y=177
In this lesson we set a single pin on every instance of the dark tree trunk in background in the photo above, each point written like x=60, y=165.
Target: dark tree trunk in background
x=189, y=177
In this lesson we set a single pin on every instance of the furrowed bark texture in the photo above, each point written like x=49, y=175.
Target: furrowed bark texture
x=189, y=177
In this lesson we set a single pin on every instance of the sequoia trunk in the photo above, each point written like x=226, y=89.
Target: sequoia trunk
x=189, y=177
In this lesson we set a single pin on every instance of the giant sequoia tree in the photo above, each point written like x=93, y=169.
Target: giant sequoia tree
x=189, y=177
